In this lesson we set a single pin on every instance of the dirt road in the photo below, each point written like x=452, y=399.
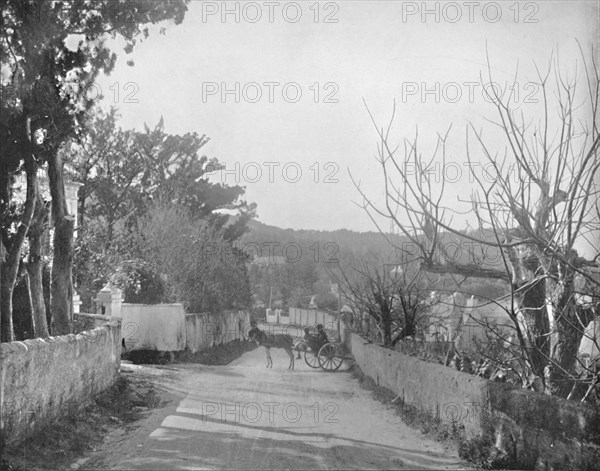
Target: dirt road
x=245, y=416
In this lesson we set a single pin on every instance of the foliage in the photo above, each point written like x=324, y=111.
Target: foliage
x=145, y=286
x=147, y=195
x=124, y=172
x=50, y=55
x=289, y=282
x=183, y=250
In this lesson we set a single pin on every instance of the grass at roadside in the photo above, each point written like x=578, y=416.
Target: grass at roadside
x=64, y=440
x=430, y=426
x=217, y=355
x=480, y=452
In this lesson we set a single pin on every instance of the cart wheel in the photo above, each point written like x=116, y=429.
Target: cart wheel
x=328, y=357
x=311, y=359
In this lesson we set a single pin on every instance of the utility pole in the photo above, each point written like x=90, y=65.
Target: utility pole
x=270, y=296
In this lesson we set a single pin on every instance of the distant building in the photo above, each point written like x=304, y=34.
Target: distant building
x=71, y=189
x=587, y=293
x=455, y=314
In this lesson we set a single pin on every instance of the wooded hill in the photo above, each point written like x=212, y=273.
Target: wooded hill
x=292, y=265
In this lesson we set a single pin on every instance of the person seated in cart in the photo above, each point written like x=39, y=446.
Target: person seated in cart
x=312, y=340
x=322, y=335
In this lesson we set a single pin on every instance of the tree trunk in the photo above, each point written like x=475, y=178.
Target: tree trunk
x=9, y=276
x=34, y=269
x=532, y=304
x=571, y=321
x=61, y=284
x=386, y=324
x=81, y=197
x=10, y=266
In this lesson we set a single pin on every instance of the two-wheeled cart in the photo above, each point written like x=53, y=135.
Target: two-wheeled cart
x=326, y=355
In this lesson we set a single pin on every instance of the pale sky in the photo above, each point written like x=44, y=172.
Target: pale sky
x=377, y=51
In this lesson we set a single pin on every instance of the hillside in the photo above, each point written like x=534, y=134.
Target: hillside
x=329, y=246
x=320, y=246
x=290, y=266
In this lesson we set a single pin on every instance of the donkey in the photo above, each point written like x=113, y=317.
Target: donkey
x=272, y=341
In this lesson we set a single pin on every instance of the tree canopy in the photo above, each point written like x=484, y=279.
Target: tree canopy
x=50, y=55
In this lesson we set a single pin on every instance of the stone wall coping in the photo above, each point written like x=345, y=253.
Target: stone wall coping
x=232, y=311
x=153, y=305
x=29, y=344
x=92, y=316
x=45, y=375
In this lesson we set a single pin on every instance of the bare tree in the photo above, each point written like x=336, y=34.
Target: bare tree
x=392, y=295
x=534, y=221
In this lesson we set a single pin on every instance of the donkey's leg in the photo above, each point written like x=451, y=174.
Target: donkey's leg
x=269, y=359
x=291, y=355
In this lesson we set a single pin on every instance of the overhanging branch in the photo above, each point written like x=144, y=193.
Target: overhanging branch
x=466, y=269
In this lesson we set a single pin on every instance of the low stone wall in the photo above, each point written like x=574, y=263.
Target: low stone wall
x=84, y=321
x=535, y=431
x=42, y=379
x=167, y=328
x=206, y=330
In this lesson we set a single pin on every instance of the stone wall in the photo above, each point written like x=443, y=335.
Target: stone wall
x=85, y=321
x=533, y=430
x=167, y=328
x=205, y=330
x=42, y=379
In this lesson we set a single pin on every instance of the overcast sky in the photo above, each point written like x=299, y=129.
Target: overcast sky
x=336, y=54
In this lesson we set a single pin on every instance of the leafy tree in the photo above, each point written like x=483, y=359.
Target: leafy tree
x=266, y=281
x=201, y=269
x=104, y=160
x=45, y=84
x=126, y=175
x=290, y=280
x=124, y=172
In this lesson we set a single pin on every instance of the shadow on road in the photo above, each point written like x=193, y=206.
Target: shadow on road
x=177, y=448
